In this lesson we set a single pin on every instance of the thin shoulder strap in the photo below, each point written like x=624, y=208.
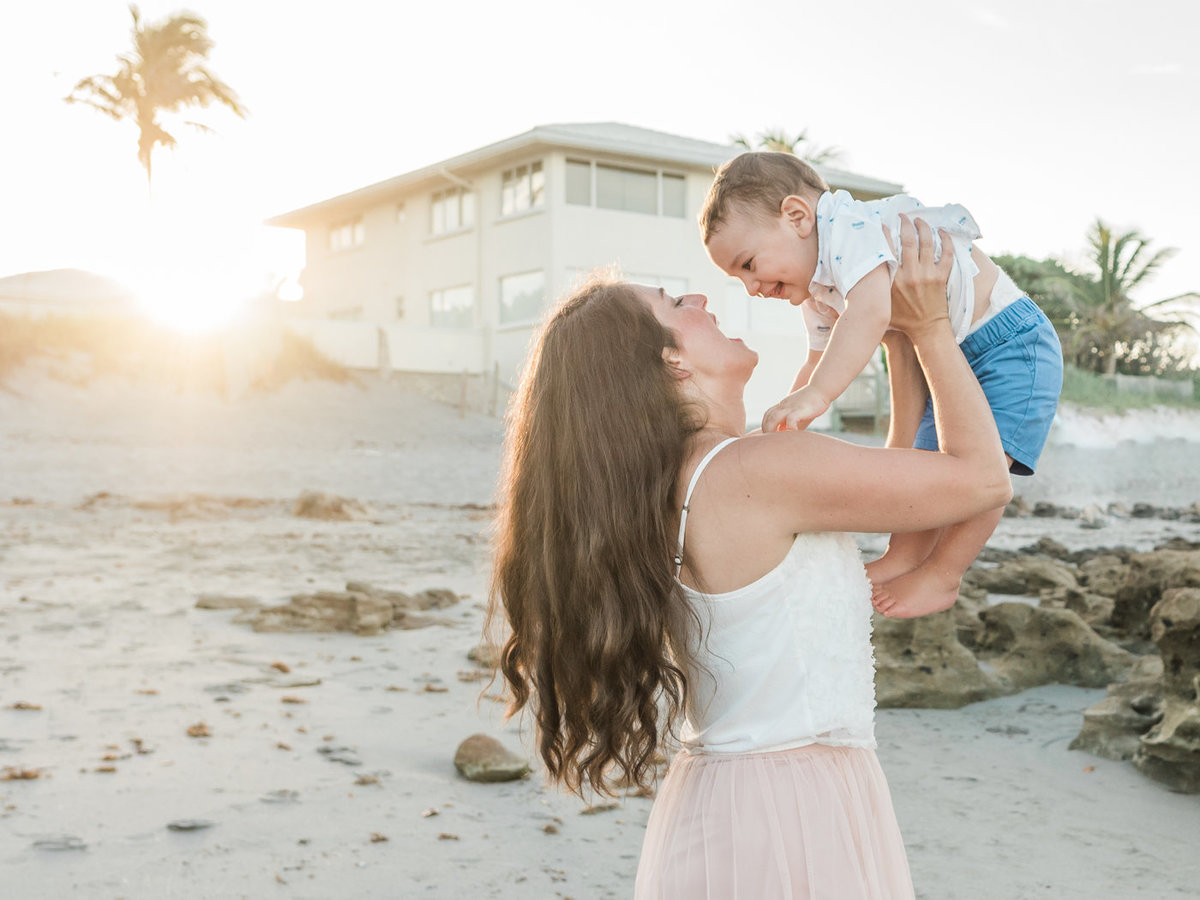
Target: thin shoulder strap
x=687, y=499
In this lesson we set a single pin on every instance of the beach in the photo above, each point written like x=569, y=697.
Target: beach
x=177, y=752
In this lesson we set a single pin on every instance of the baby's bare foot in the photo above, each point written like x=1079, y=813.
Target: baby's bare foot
x=916, y=593
x=889, y=566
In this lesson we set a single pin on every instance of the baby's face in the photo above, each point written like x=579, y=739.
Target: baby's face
x=772, y=257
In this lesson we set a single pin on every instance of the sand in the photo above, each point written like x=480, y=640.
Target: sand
x=120, y=504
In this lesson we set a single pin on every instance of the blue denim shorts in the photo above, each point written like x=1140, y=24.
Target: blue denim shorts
x=1018, y=361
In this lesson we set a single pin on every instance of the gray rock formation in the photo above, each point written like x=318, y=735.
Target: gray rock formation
x=1170, y=751
x=1025, y=575
x=1033, y=645
x=1149, y=576
x=483, y=758
x=361, y=608
x=319, y=505
x=1113, y=728
x=922, y=663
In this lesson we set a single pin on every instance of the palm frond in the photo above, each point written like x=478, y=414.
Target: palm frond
x=163, y=72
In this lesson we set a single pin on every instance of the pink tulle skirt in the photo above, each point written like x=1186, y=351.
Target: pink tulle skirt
x=814, y=823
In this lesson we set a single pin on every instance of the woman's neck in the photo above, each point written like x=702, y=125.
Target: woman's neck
x=726, y=418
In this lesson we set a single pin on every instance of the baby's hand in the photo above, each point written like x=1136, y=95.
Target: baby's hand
x=795, y=411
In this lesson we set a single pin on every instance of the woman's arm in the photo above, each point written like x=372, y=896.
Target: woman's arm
x=810, y=482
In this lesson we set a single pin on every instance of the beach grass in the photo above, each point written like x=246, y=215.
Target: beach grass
x=1095, y=391
x=79, y=349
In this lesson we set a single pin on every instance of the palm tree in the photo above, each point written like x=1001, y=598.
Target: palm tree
x=800, y=145
x=164, y=72
x=1106, y=319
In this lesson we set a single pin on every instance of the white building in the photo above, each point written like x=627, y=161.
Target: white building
x=448, y=269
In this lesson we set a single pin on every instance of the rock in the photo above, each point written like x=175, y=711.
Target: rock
x=921, y=663
x=485, y=655
x=1103, y=574
x=1044, y=510
x=1016, y=508
x=1047, y=546
x=1026, y=575
x=347, y=756
x=965, y=612
x=483, y=758
x=1149, y=576
x=189, y=825
x=1035, y=645
x=1144, y=511
x=59, y=842
x=330, y=507
x=222, y=601
x=995, y=555
x=431, y=598
x=362, y=609
x=1093, y=518
x=1113, y=727
x=1095, y=609
x=1118, y=510
x=1079, y=557
x=411, y=620
x=1175, y=628
x=1170, y=751
x=1178, y=543
x=436, y=598
x=283, y=795
x=371, y=614
x=325, y=611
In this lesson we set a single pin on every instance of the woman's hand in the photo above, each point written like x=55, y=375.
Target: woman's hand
x=919, y=289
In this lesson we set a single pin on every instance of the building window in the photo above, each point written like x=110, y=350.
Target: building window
x=522, y=188
x=674, y=195
x=452, y=307
x=451, y=210
x=345, y=235
x=626, y=189
x=631, y=190
x=522, y=297
x=579, y=182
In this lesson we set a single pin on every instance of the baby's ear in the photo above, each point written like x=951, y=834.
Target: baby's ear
x=799, y=213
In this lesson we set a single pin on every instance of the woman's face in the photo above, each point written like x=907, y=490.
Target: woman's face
x=701, y=345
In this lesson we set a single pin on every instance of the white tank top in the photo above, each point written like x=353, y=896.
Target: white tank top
x=785, y=661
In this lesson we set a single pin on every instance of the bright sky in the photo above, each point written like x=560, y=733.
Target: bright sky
x=1038, y=115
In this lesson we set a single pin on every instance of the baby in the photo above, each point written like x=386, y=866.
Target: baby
x=771, y=221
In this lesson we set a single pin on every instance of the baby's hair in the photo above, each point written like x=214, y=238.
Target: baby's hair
x=757, y=183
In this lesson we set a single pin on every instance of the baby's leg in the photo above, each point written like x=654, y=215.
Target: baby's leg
x=933, y=585
x=905, y=551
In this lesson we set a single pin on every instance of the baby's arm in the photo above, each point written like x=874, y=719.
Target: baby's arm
x=806, y=370
x=851, y=343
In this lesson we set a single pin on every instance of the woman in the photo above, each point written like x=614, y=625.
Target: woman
x=653, y=566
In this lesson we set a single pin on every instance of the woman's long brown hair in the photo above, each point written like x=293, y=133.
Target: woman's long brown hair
x=585, y=540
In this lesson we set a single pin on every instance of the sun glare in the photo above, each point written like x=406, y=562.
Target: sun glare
x=200, y=269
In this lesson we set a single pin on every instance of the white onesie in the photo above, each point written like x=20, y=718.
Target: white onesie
x=851, y=243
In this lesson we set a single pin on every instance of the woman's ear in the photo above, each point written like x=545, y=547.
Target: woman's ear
x=799, y=213
x=675, y=363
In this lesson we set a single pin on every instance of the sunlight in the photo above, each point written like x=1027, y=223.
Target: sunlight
x=187, y=302
x=202, y=264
